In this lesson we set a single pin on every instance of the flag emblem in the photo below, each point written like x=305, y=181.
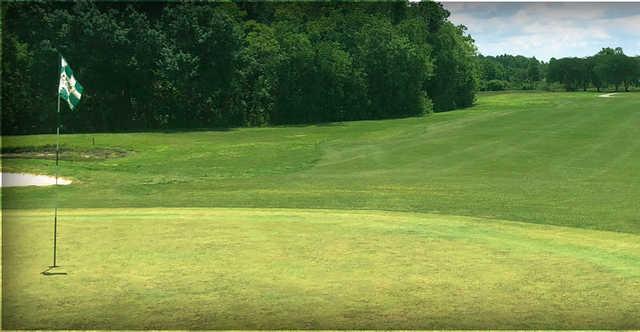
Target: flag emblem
x=69, y=89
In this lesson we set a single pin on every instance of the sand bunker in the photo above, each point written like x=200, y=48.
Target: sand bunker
x=25, y=179
x=607, y=95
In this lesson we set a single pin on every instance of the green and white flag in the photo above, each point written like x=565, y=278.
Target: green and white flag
x=69, y=89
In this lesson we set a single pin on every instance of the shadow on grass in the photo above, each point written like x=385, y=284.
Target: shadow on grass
x=184, y=130
x=48, y=272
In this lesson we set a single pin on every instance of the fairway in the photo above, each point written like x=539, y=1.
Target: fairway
x=520, y=213
x=321, y=269
x=567, y=159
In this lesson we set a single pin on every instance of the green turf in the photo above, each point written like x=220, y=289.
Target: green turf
x=553, y=158
x=561, y=166
x=322, y=269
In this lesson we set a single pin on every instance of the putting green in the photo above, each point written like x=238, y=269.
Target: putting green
x=210, y=268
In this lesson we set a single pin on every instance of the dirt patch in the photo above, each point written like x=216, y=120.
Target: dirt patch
x=66, y=153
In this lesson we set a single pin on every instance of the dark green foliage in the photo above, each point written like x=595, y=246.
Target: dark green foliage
x=259, y=59
x=188, y=65
x=199, y=63
x=568, y=71
x=496, y=85
x=608, y=67
x=455, y=79
x=514, y=72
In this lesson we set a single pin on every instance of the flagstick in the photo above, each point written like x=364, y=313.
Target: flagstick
x=55, y=213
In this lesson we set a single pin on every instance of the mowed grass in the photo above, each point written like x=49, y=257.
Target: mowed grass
x=521, y=212
x=203, y=268
x=552, y=158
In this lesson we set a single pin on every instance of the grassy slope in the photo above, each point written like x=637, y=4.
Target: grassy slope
x=554, y=158
x=564, y=159
x=324, y=269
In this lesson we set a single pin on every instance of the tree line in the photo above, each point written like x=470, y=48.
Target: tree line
x=154, y=65
x=509, y=72
x=608, y=68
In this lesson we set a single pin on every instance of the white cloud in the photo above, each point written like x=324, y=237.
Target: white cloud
x=548, y=30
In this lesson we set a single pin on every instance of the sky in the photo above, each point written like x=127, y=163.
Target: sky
x=549, y=29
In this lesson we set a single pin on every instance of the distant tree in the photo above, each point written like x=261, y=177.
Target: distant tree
x=456, y=71
x=17, y=62
x=617, y=68
x=568, y=71
x=490, y=69
x=629, y=70
x=295, y=76
x=496, y=85
x=199, y=65
x=382, y=51
x=637, y=79
x=260, y=59
x=518, y=71
x=602, y=68
x=610, y=66
x=533, y=72
x=595, y=79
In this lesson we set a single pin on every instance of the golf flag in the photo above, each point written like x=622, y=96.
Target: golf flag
x=69, y=89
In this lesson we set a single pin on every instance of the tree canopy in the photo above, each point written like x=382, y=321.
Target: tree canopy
x=506, y=71
x=607, y=67
x=154, y=65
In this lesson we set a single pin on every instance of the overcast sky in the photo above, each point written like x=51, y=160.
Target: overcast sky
x=546, y=30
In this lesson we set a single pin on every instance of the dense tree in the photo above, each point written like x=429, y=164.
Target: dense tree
x=533, y=72
x=607, y=67
x=568, y=71
x=592, y=77
x=509, y=71
x=260, y=59
x=199, y=64
x=186, y=65
x=456, y=77
x=637, y=79
x=629, y=71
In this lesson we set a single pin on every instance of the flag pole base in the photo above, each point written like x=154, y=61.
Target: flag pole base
x=49, y=272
